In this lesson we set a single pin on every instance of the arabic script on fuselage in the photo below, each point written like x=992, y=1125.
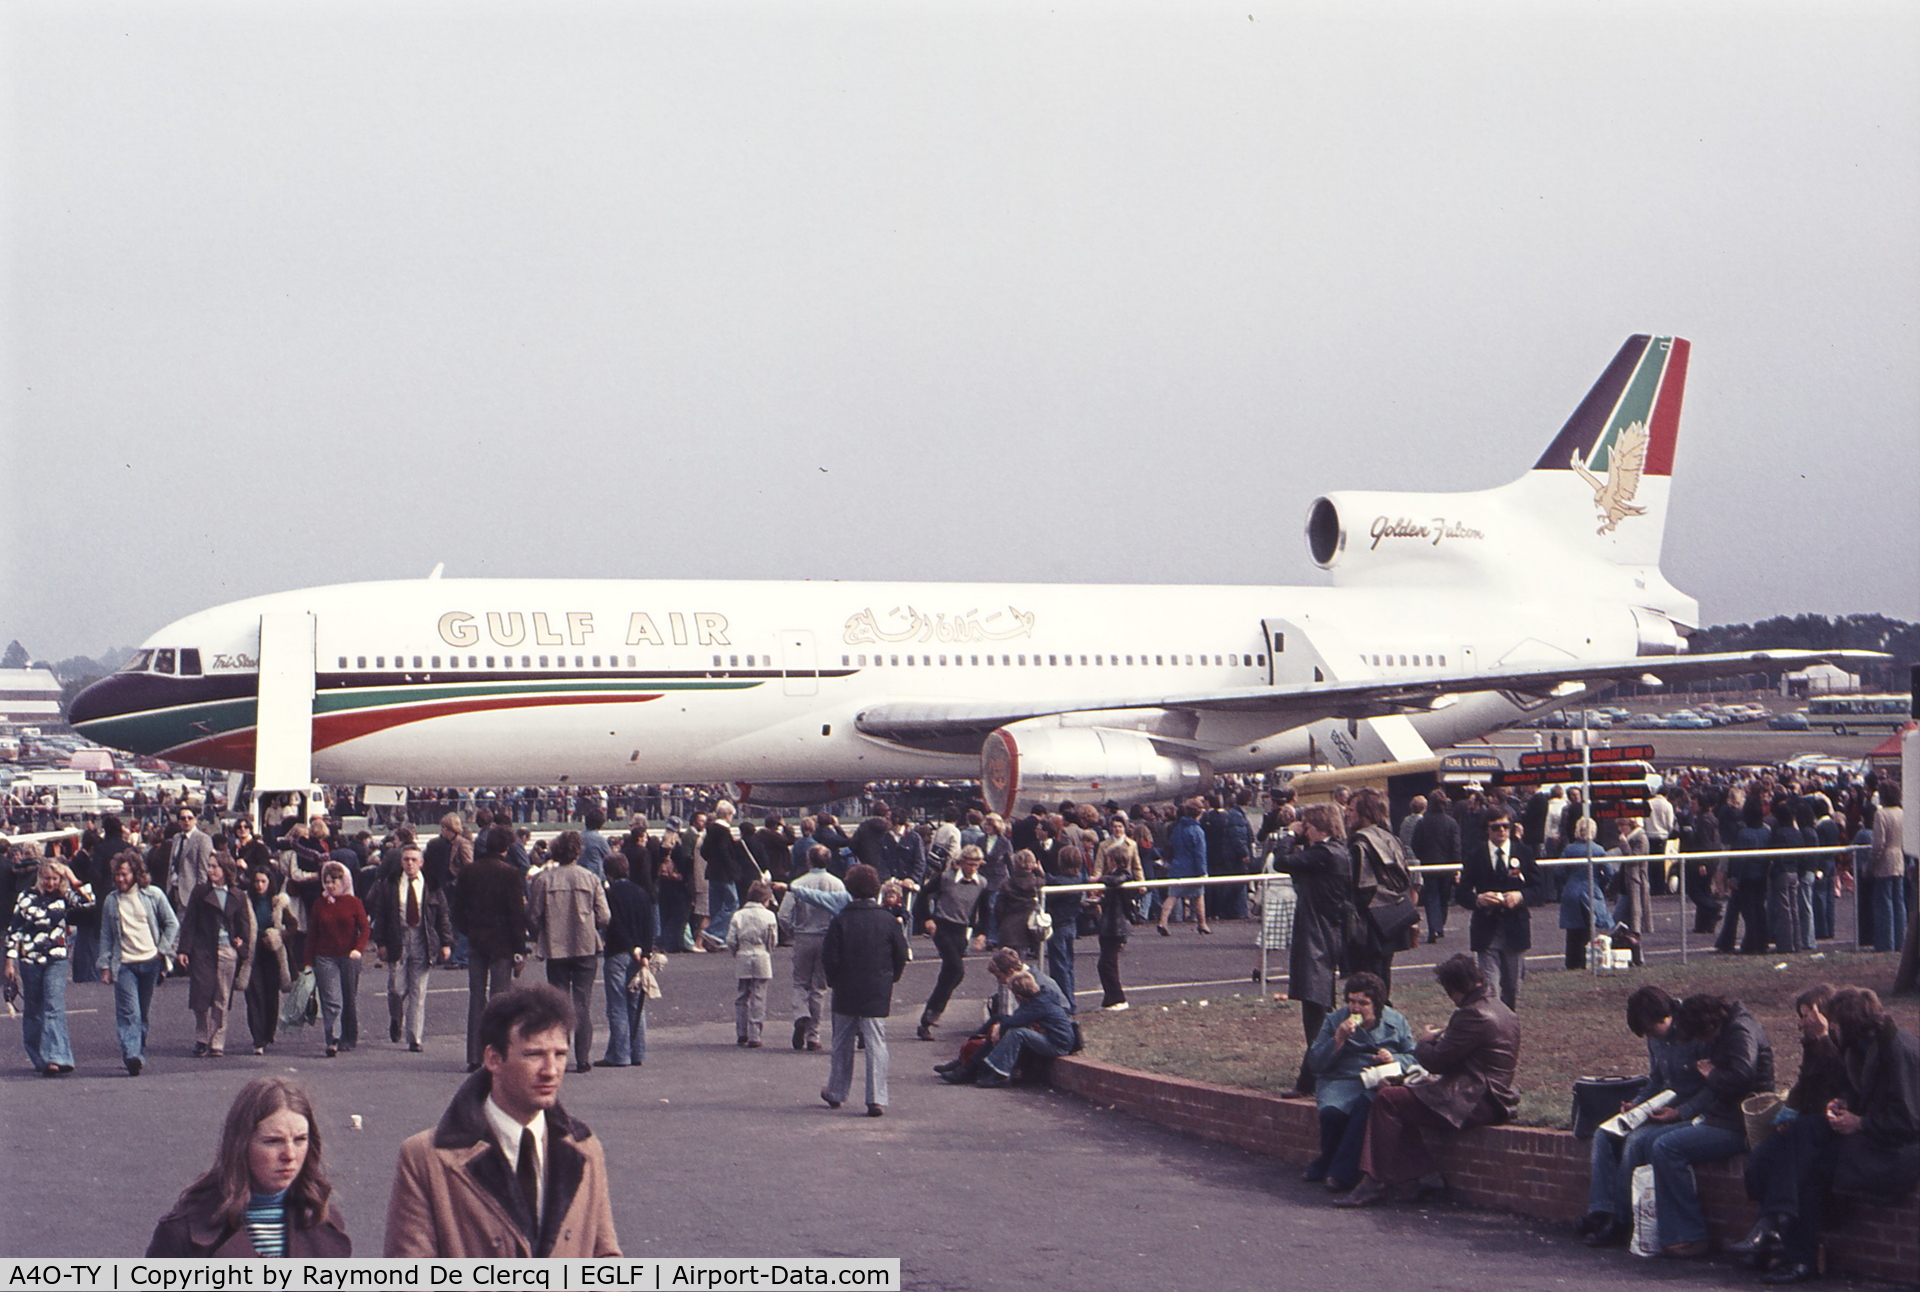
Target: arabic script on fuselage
x=909, y=624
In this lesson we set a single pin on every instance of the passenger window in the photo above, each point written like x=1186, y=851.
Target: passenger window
x=506, y=661
x=436, y=661
x=1083, y=661
x=1160, y=660
x=579, y=661
x=976, y=660
x=1260, y=660
x=943, y=661
x=895, y=661
x=362, y=663
x=596, y=661
x=733, y=661
x=1023, y=660
x=343, y=661
x=379, y=661
x=1189, y=661
x=472, y=662
x=1443, y=661
x=543, y=660
x=1129, y=660
x=1053, y=661
x=909, y=661
x=489, y=661
x=926, y=661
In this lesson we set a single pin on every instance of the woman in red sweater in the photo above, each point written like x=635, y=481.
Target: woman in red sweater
x=337, y=932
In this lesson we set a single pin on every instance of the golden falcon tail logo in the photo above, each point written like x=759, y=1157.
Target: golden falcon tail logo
x=1613, y=497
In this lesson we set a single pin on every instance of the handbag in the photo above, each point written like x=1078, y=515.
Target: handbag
x=1392, y=915
x=1039, y=923
x=1597, y=1098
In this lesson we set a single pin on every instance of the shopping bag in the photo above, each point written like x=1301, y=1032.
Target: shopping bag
x=293, y=1013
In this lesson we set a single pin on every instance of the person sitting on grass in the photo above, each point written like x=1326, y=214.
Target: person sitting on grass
x=1670, y=1068
x=1369, y=1032
x=1039, y=1023
x=1472, y=1062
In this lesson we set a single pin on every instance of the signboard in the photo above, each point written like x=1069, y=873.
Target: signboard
x=1574, y=775
x=1618, y=812
x=1571, y=757
x=1457, y=769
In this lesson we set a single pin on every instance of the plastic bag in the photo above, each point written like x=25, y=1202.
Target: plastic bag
x=1646, y=1216
x=293, y=1013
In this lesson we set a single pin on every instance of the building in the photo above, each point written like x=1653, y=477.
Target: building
x=29, y=697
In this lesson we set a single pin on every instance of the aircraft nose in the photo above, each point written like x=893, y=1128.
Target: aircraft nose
x=108, y=698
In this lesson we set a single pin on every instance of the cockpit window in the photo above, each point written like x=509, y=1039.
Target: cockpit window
x=139, y=662
x=189, y=662
x=163, y=661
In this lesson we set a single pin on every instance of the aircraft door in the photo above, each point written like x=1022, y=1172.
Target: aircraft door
x=798, y=662
x=1273, y=632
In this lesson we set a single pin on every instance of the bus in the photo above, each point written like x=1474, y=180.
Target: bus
x=1858, y=714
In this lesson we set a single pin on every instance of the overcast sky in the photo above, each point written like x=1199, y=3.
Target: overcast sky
x=301, y=294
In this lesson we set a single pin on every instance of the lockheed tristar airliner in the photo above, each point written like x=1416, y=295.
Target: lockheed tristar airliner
x=1449, y=615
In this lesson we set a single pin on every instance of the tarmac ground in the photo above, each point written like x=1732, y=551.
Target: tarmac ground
x=719, y=1151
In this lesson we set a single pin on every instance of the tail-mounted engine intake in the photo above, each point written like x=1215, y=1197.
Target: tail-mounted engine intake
x=1044, y=762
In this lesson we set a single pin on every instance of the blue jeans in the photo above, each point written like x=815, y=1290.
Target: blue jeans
x=1823, y=905
x=83, y=952
x=338, y=981
x=626, y=1015
x=722, y=901
x=1889, y=912
x=1060, y=963
x=43, y=1006
x=840, y=1068
x=1610, y=1182
x=1007, y=1053
x=133, y=1004
x=1672, y=1158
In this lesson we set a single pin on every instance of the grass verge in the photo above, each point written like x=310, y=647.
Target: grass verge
x=1572, y=1024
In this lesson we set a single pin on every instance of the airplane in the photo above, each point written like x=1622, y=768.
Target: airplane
x=1448, y=616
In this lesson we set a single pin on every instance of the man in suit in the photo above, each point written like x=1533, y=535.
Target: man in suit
x=412, y=933
x=1496, y=870
x=187, y=855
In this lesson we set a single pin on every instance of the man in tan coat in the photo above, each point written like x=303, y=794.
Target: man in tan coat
x=507, y=1173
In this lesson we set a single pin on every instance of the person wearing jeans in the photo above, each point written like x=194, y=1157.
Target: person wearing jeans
x=138, y=930
x=337, y=936
x=630, y=934
x=1739, y=1063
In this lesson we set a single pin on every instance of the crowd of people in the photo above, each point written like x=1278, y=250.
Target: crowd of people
x=282, y=926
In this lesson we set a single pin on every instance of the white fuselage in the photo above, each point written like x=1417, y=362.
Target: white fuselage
x=764, y=682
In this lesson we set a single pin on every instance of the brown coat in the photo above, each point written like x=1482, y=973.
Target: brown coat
x=190, y=1230
x=1475, y=1060
x=454, y=1194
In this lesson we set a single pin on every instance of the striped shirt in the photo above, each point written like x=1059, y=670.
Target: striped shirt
x=267, y=1223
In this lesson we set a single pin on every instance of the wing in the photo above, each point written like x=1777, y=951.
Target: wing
x=1296, y=704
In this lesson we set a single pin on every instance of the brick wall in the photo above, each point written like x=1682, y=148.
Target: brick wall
x=1538, y=1173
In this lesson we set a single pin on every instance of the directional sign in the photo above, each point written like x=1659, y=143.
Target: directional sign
x=1572, y=757
x=1618, y=811
x=1573, y=775
x=1622, y=790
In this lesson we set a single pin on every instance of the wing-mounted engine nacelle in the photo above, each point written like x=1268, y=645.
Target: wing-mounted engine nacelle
x=1028, y=762
x=1394, y=537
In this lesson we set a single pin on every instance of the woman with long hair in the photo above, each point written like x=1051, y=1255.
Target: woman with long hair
x=1323, y=911
x=1384, y=889
x=216, y=943
x=1018, y=901
x=266, y=1193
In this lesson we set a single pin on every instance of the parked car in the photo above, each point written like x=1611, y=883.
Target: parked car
x=1795, y=721
x=1647, y=722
